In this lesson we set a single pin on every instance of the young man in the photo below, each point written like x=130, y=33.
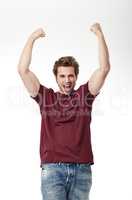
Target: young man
x=65, y=143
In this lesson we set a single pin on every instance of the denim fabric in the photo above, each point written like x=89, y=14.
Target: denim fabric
x=66, y=181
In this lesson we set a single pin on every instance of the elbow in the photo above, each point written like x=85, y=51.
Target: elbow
x=22, y=71
x=106, y=68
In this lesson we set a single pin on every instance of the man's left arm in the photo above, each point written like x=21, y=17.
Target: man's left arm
x=97, y=79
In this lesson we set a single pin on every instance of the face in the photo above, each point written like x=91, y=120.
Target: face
x=66, y=79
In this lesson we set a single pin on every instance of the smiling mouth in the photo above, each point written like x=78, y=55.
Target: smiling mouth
x=67, y=86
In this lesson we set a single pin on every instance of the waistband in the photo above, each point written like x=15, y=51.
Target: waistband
x=67, y=164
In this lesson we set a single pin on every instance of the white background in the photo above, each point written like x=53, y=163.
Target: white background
x=67, y=25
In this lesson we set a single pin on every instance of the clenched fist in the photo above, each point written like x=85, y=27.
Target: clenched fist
x=96, y=28
x=37, y=34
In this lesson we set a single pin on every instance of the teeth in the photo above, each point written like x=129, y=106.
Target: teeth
x=68, y=86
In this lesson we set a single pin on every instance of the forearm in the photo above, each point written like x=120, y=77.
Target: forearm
x=25, y=58
x=104, y=61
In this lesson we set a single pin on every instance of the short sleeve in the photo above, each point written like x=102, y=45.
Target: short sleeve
x=86, y=95
x=40, y=96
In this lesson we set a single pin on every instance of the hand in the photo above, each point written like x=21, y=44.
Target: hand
x=96, y=28
x=37, y=34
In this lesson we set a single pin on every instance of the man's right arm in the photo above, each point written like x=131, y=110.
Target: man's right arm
x=29, y=79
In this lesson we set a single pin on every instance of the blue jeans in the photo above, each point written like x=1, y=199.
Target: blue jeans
x=66, y=181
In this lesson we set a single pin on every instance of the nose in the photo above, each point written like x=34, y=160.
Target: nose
x=67, y=79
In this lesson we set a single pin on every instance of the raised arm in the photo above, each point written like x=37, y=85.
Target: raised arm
x=29, y=79
x=97, y=79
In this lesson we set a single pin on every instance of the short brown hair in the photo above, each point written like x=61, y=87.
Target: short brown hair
x=66, y=61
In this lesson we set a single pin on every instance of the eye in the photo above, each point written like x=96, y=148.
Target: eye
x=62, y=76
x=71, y=76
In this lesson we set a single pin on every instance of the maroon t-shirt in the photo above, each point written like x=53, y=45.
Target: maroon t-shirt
x=65, y=125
